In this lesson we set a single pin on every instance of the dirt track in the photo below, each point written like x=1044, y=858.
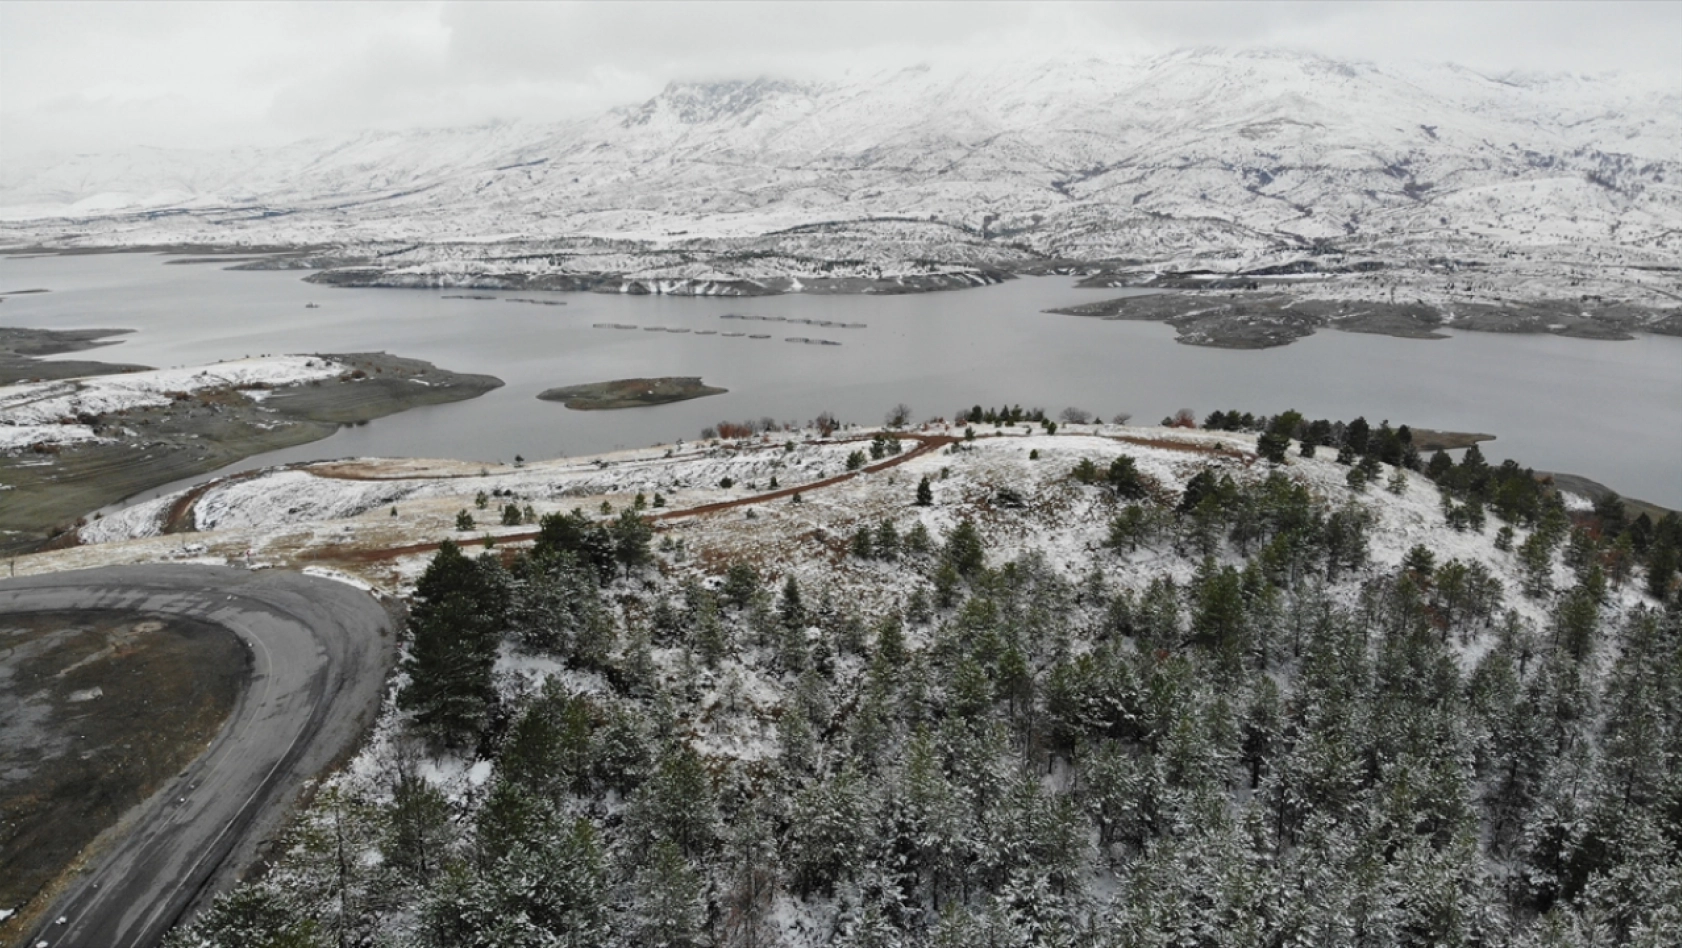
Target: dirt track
x=926, y=443
x=321, y=652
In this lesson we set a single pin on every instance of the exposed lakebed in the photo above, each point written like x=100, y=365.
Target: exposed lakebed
x=1608, y=410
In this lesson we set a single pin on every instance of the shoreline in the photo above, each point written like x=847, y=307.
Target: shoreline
x=1226, y=315
x=1595, y=491
x=1260, y=308
x=21, y=351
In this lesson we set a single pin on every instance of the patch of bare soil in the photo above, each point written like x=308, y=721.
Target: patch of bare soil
x=1189, y=447
x=100, y=708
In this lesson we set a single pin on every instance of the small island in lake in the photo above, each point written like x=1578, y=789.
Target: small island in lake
x=630, y=393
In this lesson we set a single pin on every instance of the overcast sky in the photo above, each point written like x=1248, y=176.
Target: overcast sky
x=105, y=76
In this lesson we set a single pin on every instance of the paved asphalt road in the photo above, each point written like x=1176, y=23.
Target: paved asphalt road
x=320, y=653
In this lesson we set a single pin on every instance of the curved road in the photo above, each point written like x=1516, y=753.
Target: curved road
x=320, y=654
x=321, y=651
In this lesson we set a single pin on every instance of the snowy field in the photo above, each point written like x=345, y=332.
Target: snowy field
x=279, y=516
x=58, y=412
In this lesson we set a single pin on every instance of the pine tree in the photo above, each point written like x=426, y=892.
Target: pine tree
x=1419, y=562
x=964, y=551
x=251, y=916
x=677, y=804
x=1357, y=434
x=546, y=890
x=925, y=492
x=669, y=908
x=1398, y=482
x=740, y=583
x=1124, y=478
x=548, y=749
x=1535, y=558
x=712, y=637
x=1661, y=570
x=791, y=608
x=455, y=625
x=917, y=539
x=1129, y=528
x=1218, y=621
x=419, y=828
x=574, y=534
x=631, y=535
x=1273, y=447
x=887, y=541
x=1201, y=485
x=750, y=884
x=567, y=888
x=830, y=822
x=1357, y=479
x=556, y=608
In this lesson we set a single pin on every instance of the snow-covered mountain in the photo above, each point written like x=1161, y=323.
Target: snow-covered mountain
x=1215, y=154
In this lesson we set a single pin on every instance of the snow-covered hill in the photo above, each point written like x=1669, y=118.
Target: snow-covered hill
x=1227, y=157
x=1226, y=688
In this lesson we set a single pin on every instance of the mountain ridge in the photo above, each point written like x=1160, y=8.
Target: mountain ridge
x=1230, y=159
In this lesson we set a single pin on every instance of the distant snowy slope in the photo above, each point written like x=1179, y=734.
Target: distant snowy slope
x=1212, y=152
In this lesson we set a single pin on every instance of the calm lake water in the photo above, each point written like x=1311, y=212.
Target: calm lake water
x=1608, y=410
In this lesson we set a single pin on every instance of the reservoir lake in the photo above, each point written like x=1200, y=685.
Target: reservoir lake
x=1611, y=411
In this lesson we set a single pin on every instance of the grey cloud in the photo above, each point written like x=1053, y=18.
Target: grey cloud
x=74, y=76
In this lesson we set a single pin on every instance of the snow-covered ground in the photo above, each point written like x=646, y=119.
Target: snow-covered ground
x=57, y=412
x=335, y=518
x=282, y=516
